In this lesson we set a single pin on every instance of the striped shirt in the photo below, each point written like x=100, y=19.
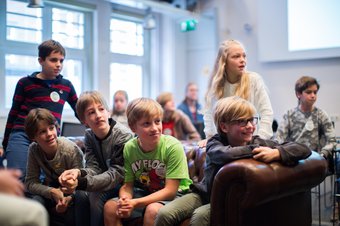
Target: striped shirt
x=32, y=92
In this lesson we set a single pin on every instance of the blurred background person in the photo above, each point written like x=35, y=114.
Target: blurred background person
x=175, y=122
x=192, y=108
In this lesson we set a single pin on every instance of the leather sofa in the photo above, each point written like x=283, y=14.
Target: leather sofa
x=248, y=192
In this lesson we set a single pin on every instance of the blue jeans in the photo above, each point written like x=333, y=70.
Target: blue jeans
x=17, y=151
x=189, y=205
x=92, y=207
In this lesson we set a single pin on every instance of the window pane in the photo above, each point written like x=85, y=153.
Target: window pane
x=72, y=71
x=126, y=37
x=121, y=77
x=23, y=24
x=68, y=28
x=17, y=66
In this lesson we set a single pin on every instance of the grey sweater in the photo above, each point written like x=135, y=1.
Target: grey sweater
x=67, y=156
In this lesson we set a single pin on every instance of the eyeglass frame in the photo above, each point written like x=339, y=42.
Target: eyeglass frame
x=244, y=122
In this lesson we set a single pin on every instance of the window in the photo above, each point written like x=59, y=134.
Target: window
x=126, y=37
x=26, y=28
x=128, y=63
x=23, y=24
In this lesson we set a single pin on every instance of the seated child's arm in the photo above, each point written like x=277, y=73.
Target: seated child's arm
x=266, y=154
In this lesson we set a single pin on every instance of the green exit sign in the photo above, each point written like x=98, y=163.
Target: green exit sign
x=189, y=25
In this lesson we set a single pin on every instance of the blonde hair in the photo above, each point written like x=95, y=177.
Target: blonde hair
x=87, y=98
x=219, y=76
x=142, y=108
x=35, y=117
x=232, y=108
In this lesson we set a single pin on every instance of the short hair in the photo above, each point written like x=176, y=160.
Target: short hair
x=232, y=108
x=304, y=82
x=87, y=98
x=35, y=117
x=50, y=46
x=142, y=108
x=164, y=97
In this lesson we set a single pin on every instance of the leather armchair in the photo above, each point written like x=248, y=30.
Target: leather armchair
x=248, y=192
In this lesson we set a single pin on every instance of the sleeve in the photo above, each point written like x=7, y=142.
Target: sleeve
x=291, y=152
x=177, y=166
x=17, y=101
x=188, y=128
x=128, y=171
x=208, y=118
x=78, y=158
x=221, y=154
x=32, y=180
x=264, y=109
x=72, y=99
x=328, y=134
x=282, y=133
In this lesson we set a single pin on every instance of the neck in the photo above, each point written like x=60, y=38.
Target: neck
x=191, y=102
x=305, y=108
x=145, y=147
x=232, y=78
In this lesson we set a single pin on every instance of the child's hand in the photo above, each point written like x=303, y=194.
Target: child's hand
x=70, y=187
x=62, y=205
x=1, y=152
x=57, y=194
x=125, y=207
x=202, y=143
x=67, y=175
x=266, y=154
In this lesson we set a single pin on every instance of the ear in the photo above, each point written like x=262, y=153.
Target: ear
x=40, y=60
x=298, y=95
x=133, y=128
x=224, y=127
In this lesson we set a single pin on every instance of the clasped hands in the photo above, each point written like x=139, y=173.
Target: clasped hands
x=125, y=207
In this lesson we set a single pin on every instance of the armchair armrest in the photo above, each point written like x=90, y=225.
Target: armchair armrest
x=247, y=184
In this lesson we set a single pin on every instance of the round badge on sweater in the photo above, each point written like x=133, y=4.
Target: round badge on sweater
x=55, y=96
x=309, y=125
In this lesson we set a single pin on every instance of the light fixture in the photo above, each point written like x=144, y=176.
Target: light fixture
x=35, y=4
x=149, y=20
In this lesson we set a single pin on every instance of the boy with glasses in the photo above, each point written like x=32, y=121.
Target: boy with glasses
x=235, y=122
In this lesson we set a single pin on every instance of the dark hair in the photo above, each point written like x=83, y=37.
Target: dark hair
x=50, y=46
x=34, y=117
x=304, y=82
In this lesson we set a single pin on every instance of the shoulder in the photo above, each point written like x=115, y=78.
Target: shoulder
x=131, y=145
x=33, y=147
x=121, y=132
x=66, y=144
x=254, y=76
x=169, y=141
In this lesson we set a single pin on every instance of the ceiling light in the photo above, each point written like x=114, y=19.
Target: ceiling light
x=35, y=4
x=149, y=20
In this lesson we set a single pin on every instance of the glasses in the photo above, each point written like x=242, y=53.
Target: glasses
x=244, y=122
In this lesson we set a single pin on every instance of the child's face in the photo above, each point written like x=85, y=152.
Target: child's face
x=192, y=92
x=308, y=96
x=239, y=132
x=52, y=65
x=97, y=118
x=149, y=131
x=236, y=61
x=170, y=105
x=120, y=102
x=46, y=137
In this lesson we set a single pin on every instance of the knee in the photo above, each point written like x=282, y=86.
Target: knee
x=110, y=208
x=151, y=210
x=201, y=216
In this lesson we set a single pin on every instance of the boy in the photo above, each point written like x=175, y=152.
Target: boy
x=236, y=123
x=306, y=123
x=155, y=167
x=104, y=143
x=51, y=155
x=46, y=89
